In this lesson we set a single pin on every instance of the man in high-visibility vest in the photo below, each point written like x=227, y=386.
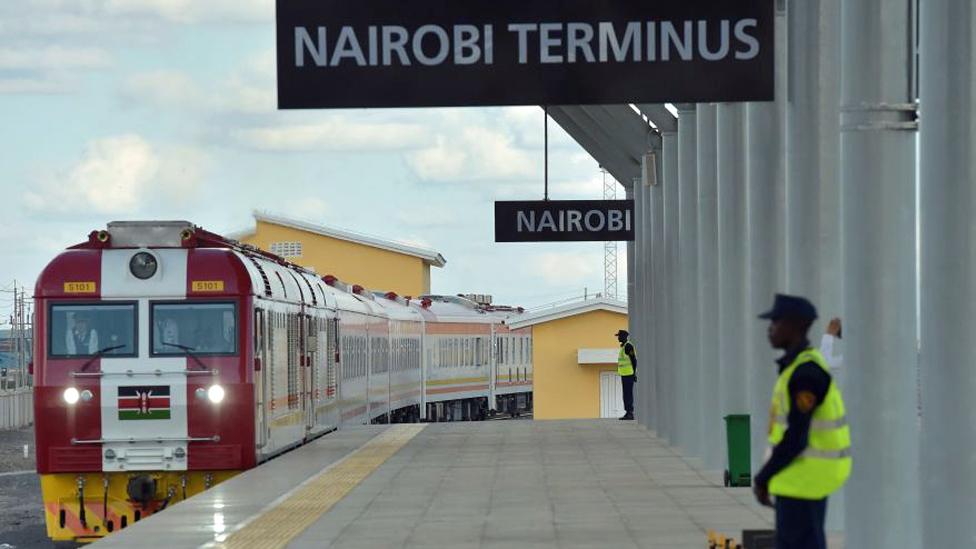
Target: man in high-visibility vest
x=807, y=429
x=627, y=368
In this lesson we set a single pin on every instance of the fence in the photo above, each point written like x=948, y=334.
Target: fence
x=16, y=408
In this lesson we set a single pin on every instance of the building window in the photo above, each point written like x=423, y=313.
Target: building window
x=287, y=249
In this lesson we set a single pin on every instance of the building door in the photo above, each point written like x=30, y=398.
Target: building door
x=611, y=395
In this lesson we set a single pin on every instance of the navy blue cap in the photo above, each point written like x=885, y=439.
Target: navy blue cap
x=791, y=306
x=622, y=332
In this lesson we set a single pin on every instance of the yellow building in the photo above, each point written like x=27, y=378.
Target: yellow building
x=574, y=359
x=377, y=264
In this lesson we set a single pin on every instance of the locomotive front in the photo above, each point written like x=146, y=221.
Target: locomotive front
x=142, y=394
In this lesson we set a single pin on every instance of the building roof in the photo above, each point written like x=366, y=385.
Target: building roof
x=429, y=256
x=570, y=309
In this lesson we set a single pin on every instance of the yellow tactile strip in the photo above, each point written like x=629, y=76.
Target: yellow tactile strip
x=289, y=517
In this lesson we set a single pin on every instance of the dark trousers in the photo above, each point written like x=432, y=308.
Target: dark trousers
x=800, y=523
x=628, y=384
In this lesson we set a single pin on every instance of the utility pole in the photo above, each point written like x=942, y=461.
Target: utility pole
x=609, y=247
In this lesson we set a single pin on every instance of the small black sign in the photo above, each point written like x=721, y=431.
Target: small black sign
x=564, y=220
x=427, y=53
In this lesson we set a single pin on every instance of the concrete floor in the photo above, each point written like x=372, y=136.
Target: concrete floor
x=512, y=484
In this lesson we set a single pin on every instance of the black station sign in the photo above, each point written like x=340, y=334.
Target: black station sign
x=564, y=220
x=428, y=53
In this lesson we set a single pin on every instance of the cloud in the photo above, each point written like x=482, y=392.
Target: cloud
x=39, y=84
x=333, y=134
x=310, y=208
x=558, y=268
x=425, y=215
x=120, y=174
x=47, y=70
x=194, y=11
x=53, y=57
x=477, y=153
x=81, y=14
x=162, y=88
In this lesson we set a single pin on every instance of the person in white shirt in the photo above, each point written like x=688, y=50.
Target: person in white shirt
x=81, y=338
x=828, y=343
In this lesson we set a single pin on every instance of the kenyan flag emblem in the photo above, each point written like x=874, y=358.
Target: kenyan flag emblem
x=144, y=402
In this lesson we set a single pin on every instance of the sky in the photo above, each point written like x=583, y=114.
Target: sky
x=166, y=109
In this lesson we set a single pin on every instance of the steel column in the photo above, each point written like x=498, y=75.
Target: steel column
x=636, y=313
x=668, y=329
x=732, y=259
x=658, y=312
x=712, y=443
x=948, y=273
x=633, y=285
x=812, y=141
x=766, y=169
x=649, y=365
x=689, y=357
x=877, y=161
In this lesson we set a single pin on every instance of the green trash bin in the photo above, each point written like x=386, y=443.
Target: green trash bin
x=740, y=455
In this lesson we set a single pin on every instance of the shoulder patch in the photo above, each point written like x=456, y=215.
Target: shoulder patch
x=806, y=401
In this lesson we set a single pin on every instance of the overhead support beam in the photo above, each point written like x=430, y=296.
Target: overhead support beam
x=948, y=271
x=877, y=170
x=659, y=115
x=582, y=129
x=634, y=141
x=630, y=121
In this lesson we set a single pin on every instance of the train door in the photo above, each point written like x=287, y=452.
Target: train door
x=332, y=390
x=309, y=370
x=261, y=369
x=492, y=368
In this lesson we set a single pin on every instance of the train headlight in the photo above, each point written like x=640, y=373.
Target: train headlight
x=143, y=265
x=215, y=393
x=87, y=395
x=71, y=395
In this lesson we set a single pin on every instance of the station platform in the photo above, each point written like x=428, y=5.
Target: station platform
x=572, y=484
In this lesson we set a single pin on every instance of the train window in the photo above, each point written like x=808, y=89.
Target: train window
x=193, y=327
x=84, y=330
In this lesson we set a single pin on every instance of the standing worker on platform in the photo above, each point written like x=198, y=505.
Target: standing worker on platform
x=627, y=368
x=807, y=429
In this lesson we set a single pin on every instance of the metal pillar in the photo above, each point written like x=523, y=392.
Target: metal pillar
x=878, y=179
x=648, y=366
x=689, y=358
x=712, y=444
x=766, y=169
x=732, y=259
x=636, y=312
x=812, y=252
x=674, y=375
x=948, y=273
x=659, y=313
x=634, y=286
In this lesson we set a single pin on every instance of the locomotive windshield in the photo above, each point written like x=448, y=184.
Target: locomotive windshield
x=194, y=328
x=86, y=330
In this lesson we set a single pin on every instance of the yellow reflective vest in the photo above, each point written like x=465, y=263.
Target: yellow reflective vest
x=625, y=366
x=825, y=464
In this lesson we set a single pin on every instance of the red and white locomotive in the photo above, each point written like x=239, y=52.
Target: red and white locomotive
x=168, y=359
